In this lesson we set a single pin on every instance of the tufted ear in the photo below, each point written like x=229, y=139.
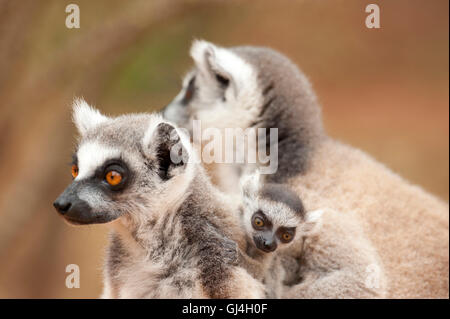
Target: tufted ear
x=219, y=65
x=86, y=117
x=164, y=145
x=312, y=222
x=250, y=185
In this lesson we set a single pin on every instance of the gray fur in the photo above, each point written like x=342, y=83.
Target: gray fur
x=272, y=92
x=288, y=99
x=186, y=241
x=174, y=235
x=283, y=194
x=287, y=102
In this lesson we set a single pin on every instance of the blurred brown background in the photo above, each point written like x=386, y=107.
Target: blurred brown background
x=384, y=91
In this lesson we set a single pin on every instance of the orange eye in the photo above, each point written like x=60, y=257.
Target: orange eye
x=74, y=170
x=287, y=237
x=113, y=178
x=258, y=222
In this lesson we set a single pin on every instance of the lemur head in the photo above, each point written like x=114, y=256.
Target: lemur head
x=273, y=215
x=215, y=90
x=243, y=87
x=129, y=165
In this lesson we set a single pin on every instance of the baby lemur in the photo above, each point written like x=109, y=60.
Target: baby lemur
x=273, y=217
x=173, y=234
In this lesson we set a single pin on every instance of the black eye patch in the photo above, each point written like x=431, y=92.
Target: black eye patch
x=267, y=223
x=117, y=165
x=281, y=231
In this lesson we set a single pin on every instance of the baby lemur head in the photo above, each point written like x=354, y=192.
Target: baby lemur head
x=133, y=165
x=273, y=215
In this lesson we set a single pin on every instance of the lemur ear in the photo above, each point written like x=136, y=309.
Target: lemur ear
x=164, y=145
x=216, y=63
x=250, y=185
x=86, y=117
x=312, y=222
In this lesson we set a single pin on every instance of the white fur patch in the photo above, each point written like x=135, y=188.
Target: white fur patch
x=206, y=54
x=250, y=184
x=148, y=136
x=242, y=103
x=86, y=117
x=314, y=216
x=279, y=213
x=313, y=222
x=92, y=155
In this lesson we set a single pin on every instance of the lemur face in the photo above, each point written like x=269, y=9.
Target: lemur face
x=273, y=215
x=221, y=91
x=267, y=236
x=122, y=166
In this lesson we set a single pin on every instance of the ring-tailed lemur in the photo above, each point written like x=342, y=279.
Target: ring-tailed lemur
x=273, y=217
x=238, y=88
x=255, y=87
x=174, y=235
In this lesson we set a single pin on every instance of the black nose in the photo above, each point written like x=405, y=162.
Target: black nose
x=270, y=245
x=62, y=206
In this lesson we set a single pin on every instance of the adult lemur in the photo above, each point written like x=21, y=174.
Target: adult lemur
x=258, y=87
x=174, y=235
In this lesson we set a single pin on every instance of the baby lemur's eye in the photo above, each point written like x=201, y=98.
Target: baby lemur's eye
x=113, y=178
x=258, y=222
x=286, y=234
x=286, y=237
x=74, y=170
